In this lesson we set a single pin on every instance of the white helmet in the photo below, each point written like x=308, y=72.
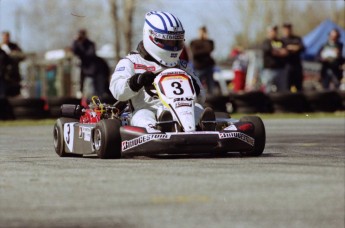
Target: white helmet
x=163, y=37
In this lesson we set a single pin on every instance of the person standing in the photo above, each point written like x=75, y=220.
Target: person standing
x=274, y=57
x=330, y=56
x=4, y=61
x=295, y=47
x=12, y=75
x=85, y=49
x=203, y=62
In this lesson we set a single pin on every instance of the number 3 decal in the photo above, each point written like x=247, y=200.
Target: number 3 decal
x=177, y=86
x=68, y=133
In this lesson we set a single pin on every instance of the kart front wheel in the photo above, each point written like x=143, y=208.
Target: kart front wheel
x=259, y=135
x=58, y=134
x=107, y=139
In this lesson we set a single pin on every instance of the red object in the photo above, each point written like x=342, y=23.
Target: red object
x=91, y=116
x=184, y=55
x=135, y=129
x=245, y=127
x=239, y=81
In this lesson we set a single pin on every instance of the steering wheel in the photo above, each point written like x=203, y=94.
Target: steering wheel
x=150, y=91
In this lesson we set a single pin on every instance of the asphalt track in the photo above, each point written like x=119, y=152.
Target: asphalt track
x=298, y=182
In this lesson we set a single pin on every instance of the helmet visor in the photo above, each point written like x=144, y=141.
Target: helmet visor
x=169, y=45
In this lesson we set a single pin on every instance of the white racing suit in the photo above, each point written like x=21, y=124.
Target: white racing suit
x=144, y=106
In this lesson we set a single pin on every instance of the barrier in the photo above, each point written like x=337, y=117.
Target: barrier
x=250, y=102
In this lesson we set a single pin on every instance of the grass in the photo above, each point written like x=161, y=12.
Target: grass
x=43, y=122
x=47, y=122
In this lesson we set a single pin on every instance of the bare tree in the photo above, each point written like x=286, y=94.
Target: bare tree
x=129, y=12
x=116, y=26
x=123, y=27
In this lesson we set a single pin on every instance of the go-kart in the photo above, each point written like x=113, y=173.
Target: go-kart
x=106, y=130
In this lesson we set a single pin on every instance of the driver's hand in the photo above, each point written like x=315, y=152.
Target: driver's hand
x=137, y=81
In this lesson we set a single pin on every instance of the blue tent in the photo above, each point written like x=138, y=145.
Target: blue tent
x=314, y=40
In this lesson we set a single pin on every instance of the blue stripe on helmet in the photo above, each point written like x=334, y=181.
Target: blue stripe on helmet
x=171, y=23
x=163, y=21
x=156, y=29
x=177, y=24
x=180, y=24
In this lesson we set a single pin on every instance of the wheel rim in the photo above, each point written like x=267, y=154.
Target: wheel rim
x=98, y=139
x=56, y=137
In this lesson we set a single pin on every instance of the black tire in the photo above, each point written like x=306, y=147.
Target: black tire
x=6, y=111
x=326, y=101
x=342, y=96
x=28, y=108
x=251, y=102
x=107, y=139
x=289, y=102
x=29, y=113
x=55, y=104
x=217, y=103
x=247, y=110
x=54, y=112
x=59, y=143
x=259, y=135
x=34, y=103
x=58, y=101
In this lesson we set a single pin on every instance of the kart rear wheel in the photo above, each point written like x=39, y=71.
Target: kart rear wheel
x=107, y=139
x=259, y=135
x=59, y=142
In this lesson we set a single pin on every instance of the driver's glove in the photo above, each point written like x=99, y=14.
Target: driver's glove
x=196, y=86
x=137, y=81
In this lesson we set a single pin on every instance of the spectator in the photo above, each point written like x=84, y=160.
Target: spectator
x=239, y=67
x=295, y=47
x=203, y=62
x=12, y=75
x=4, y=61
x=92, y=82
x=331, y=60
x=274, y=54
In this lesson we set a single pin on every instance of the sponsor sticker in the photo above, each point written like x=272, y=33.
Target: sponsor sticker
x=87, y=133
x=183, y=104
x=139, y=67
x=84, y=132
x=151, y=68
x=120, y=69
x=143, y=67
x=128, y=144
x=238, y=135
x=172, y=35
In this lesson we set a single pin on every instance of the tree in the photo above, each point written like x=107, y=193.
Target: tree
x=116, y=26
x=122, y=25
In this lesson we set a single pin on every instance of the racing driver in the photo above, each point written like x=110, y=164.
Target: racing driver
x=162, y=44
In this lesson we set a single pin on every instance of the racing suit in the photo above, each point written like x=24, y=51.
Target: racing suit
x=146, y=108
